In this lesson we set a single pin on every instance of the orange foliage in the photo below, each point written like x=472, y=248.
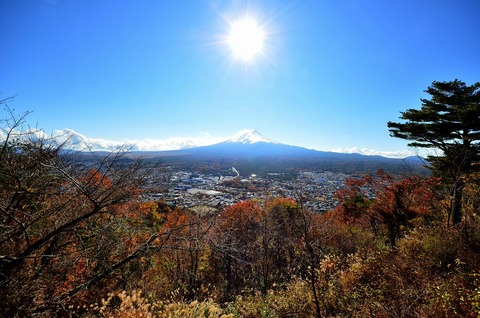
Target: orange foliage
x=383, y=199
x=285, y=203
x=240, y=216
x=95, y=179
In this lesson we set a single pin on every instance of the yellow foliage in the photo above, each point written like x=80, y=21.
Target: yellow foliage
x=134, y=305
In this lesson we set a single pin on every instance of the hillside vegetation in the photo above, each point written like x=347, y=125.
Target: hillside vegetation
x=77, y=240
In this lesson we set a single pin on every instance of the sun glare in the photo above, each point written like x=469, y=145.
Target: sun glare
x=246, y=39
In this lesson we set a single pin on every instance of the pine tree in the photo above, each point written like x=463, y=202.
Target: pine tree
x=450, y=122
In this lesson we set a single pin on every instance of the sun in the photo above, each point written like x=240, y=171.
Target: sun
x=246, y=39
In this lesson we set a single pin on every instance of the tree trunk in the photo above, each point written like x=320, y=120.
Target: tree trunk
x=456, y=209
x=392, y=234
x=313, y=281
x=228, y=278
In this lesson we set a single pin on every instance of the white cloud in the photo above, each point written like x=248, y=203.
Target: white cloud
x=374, y=152
x=73, y=139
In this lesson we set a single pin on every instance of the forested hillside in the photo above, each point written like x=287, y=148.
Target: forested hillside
x=78, y=240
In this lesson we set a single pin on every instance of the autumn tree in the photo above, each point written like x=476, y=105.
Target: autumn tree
x=305, y=229
x=234, y=243
x=471, y=206
x=261, y=247
x=380, y=199
x=183, y=258
x=66, y=225
x=281, y=240
x=450, y=122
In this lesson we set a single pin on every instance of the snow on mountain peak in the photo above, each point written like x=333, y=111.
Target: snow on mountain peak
x=250, y=136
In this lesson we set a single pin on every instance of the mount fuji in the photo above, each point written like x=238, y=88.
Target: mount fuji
x=249, y=144
x=250, y=151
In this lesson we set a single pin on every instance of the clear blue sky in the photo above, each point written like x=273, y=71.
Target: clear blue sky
x=332, y=73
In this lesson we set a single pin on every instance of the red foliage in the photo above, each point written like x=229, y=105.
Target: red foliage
x=383, y=199
x=94, y=179
x=240, y=217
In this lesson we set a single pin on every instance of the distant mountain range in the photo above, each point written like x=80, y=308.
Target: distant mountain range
x=251, y=152
x=252, y=144
x=76, y=141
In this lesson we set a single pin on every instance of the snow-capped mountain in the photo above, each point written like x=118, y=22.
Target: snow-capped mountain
x=248, y=143
x=250, y=136
x=76, y=141
x=251, y=152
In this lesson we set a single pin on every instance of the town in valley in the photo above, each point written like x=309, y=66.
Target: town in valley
x=315, y=190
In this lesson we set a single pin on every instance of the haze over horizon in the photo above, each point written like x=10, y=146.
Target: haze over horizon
x=76, y=141
x=320, y=75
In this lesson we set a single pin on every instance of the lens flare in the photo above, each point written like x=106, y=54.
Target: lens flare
x=246, y=39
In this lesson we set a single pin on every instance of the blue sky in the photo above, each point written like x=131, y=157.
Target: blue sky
x=331, y=75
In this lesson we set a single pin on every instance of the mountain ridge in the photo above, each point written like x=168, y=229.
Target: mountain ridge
x=251, y=143
x=252, y=153
x=76, y=141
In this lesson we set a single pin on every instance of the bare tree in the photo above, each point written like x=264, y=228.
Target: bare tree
x=66, y=223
